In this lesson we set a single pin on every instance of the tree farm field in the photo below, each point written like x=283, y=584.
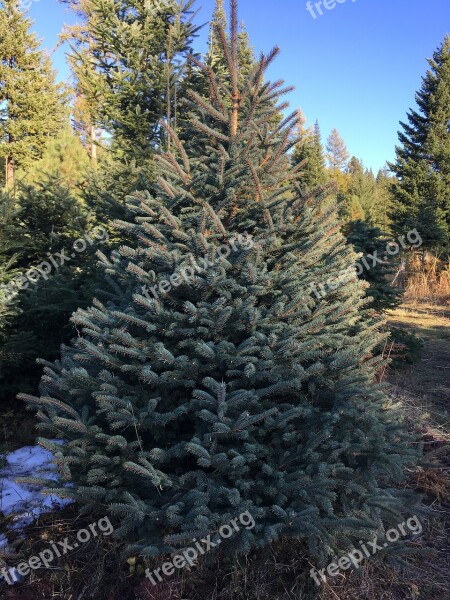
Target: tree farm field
x=224, y=300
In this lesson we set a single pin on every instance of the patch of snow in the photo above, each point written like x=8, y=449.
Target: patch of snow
x=25, y=502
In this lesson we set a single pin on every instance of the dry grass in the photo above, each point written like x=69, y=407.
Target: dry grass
x=428, y=282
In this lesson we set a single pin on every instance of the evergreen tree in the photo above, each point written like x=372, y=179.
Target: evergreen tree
x=215, y=58
x=42, y=220
x=382, y=208
x=31, y=103
x=9, y=253
x=215, y=381
x=309, y=150
x=219, y=20
x=361, y=194
x=65, y=159
x=422, y=194
x=372, y=242
x=127, y=61
x=337, y=152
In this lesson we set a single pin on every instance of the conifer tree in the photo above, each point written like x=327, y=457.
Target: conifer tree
x=215, y=380
x=31, y=103
x=127, y=57
x=337, y=152
x=39, y=221
x=361, y=194
x=215, y=58
x=309, y=150
x=370, y=241
x=422, y=194
x=64, y=159
x=382, y=208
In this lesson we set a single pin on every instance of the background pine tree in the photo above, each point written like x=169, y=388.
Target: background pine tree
x=127, y=60
x=309, y=148
x=422, y=194
x=337, y=153
x=31, y=103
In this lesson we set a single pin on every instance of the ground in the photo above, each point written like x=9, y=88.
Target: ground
x=282, y=573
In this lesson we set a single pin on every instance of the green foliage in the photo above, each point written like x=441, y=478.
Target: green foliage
x=382, y=206
x=31, y=103
x=309, y=150
x=237, y=389
x=371, y=242
x=413, y=346
x=422, y=193
x=128, y=61
x=41, y=221
x=64, y=160
x=361, y=195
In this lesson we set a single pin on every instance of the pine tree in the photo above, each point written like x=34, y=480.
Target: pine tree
x=218, y=20
x=31, y=103
x=42, y=220
x=371, y=242
x=10, y=249
x=64, y=159
x=127, y=57
x=361, y=194
x=309, y=150
x=422, y=194
x=337, y=152
x=215, y=380
x=382, y=208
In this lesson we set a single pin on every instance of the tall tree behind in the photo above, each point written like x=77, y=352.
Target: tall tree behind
x=382, y=208
x=361, y=195
x=126, y=57
x=422, y=195
x=215, y=57
x=337, y=152
x=309, y=148
x=31, y=103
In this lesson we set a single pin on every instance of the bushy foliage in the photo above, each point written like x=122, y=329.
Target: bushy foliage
x=40, y=222
x=376, y=268
x=213, y=381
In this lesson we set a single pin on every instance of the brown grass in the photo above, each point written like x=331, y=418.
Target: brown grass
x=428, y=282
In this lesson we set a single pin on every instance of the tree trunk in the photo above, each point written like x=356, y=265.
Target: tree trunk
x=93, y=146
x=9, y=172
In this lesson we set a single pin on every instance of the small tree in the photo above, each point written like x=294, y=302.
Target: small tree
x=337, y=152
x=64, y=159
x=309, y=151
x=372, y=242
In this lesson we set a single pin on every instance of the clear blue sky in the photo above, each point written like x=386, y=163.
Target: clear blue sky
x=356, y=67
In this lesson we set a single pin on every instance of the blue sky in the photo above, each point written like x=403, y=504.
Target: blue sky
x=356, y=67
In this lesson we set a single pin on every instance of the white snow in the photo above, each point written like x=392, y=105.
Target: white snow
x=25, y=502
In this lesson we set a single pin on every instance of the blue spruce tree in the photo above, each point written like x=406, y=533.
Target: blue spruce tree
x=216, y=379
